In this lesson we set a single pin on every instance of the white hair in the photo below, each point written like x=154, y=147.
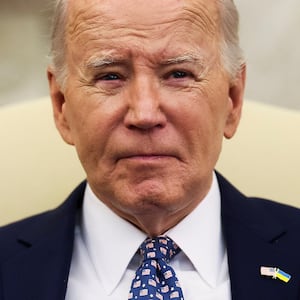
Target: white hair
x=58, y=42
x=231, y=54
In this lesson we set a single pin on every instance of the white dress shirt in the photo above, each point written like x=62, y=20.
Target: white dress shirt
x=105, y=260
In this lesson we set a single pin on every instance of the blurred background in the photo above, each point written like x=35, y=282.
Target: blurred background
x=24, y=44
x=269, y=37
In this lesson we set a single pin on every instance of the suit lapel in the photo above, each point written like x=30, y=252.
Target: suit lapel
x=254, y=238
x=40, y=266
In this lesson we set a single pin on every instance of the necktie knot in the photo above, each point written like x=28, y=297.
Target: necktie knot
x=158, y=248
x=155, y=279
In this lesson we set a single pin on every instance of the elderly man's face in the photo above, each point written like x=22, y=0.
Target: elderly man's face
x=146, y=102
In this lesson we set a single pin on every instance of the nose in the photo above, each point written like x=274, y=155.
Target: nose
x=144, y=106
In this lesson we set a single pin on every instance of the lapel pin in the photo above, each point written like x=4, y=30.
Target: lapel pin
x=275, y=273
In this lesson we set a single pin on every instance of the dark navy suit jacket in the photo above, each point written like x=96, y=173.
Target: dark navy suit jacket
x=35, y=254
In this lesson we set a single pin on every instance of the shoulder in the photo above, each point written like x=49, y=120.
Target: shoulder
x=273, y=214
x=254, y=209
x=276, y=208
x=29, y=230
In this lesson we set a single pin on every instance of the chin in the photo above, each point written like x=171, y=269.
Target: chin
x=154, y=201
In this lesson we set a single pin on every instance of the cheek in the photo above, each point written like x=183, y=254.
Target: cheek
x=87, y=132
x=203, y=119
x=89, y=117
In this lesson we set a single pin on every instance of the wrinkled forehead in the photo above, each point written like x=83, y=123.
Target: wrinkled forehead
x=107, y=15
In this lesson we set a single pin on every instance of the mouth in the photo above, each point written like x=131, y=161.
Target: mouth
x=146, y=157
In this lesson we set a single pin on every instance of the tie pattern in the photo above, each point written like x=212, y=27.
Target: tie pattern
x=155, y=279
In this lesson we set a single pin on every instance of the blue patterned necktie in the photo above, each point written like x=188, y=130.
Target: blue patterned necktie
x=155, y=279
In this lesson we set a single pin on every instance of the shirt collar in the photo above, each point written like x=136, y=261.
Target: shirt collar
x=111, y=241
x=199, y=235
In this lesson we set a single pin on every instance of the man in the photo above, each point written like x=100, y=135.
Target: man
x=145, y=91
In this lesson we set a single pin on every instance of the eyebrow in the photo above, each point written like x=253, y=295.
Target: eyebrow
x=186, y=58
x=100, y=62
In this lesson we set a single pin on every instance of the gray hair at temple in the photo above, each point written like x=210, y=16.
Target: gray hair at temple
x=231, y=54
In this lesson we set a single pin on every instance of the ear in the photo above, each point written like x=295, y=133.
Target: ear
x=235, y=103
x=59, y=107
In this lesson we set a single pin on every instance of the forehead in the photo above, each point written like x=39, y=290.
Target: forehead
x=117, y=20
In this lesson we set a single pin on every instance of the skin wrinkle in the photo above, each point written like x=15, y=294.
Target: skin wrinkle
x=84, y=22
x=204, y=17
x=140, y=22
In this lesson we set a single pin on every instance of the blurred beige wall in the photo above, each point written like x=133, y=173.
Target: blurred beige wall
x=269, y=36
x=24, y=36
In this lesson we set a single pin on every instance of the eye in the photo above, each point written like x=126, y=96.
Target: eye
x=179, y=74
x=109, y=77
x=109, y=81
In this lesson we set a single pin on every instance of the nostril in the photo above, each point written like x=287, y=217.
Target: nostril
x=145, y=119
x=145, y=128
